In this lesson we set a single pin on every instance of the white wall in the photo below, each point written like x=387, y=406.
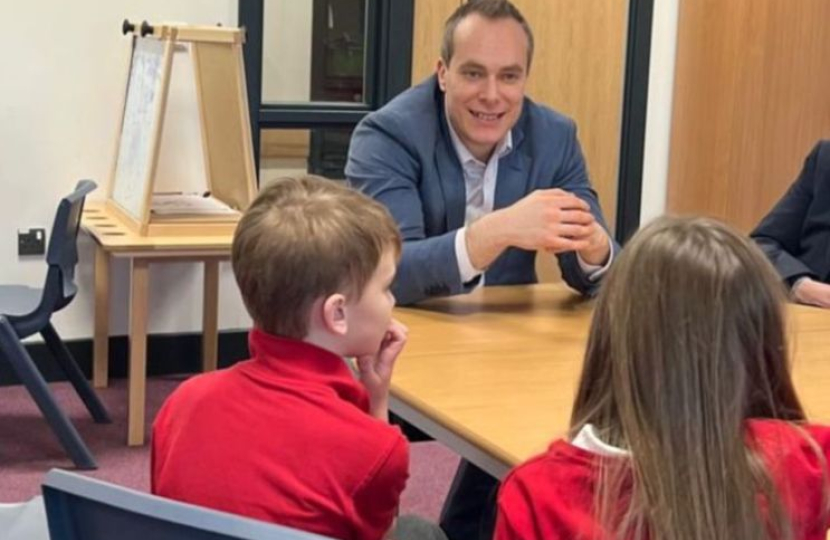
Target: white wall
x=658, y=122
x=63, y=73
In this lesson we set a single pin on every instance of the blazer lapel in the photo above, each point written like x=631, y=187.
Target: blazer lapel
x=451, y=176
x=513, y=181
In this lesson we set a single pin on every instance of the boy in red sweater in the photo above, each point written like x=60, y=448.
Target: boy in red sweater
x=292, y=436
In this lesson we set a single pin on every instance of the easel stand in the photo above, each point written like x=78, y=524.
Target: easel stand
x=218, y=69
x=125, y=225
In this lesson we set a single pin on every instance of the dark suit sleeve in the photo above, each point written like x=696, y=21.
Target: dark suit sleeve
x=382, y=166
x=573, y=177
x=779, y=233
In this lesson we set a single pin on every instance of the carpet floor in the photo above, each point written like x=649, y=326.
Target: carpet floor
x=28, y=448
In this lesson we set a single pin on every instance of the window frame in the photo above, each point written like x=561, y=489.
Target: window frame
x=387, y=71
x=634, y=114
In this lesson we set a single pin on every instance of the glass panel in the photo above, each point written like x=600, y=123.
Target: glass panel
x=294, y=152
x=313, y=50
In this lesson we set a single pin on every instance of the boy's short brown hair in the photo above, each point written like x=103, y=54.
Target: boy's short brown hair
x=303, y=239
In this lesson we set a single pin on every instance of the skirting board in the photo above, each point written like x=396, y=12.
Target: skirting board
x=166, y=354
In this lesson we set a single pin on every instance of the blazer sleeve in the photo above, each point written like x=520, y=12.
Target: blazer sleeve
x=573, y=177
x=387, y=168
x=779, y=233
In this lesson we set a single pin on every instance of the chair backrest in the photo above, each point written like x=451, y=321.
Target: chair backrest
x=62, y=255
x=81, y=508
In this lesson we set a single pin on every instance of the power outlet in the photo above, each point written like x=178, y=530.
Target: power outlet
x=31, y=241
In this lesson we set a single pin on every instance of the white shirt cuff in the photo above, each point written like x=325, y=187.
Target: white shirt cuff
x=465, y=268
x=798, y=282
x=593, y=271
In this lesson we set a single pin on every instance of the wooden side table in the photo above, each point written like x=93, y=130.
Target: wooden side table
x=114, y=239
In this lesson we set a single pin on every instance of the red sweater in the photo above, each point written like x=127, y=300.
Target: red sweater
x=284, y=437
x=551, y=496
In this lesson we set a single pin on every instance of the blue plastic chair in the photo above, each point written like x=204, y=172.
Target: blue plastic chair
x=25, y=311
x=81, y=508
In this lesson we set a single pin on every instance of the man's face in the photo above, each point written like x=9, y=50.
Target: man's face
x=484, y=82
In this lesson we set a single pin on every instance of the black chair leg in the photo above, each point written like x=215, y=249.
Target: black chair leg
x=73, y=373
x=22, y=364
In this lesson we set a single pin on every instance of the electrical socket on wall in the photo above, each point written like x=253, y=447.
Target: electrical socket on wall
x=31, y=241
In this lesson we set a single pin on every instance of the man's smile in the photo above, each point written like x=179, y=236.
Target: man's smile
x=487, y=117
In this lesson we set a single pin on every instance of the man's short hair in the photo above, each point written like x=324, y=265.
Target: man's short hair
x=489, y=9
x=303, y=239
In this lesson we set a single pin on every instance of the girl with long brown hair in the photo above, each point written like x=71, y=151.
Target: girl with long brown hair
x=686, y=424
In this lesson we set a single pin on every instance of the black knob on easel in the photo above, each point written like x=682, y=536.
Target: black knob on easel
x=146, y=28
x=127, y=27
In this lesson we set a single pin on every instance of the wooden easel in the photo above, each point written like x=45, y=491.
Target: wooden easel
x=125, y=226
x=218, y=69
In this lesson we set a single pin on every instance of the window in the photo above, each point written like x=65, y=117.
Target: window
x=318, y=67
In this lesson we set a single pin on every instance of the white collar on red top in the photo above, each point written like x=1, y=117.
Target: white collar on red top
x=587, y=439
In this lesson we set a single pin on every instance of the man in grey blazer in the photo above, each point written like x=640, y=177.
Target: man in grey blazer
x=477, y=196
x=480, y=178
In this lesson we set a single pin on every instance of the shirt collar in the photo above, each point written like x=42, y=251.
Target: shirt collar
x=588, y=439
x=465, y=156
x=284, y=358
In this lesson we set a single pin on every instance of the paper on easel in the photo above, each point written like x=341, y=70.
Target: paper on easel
x=168, y=204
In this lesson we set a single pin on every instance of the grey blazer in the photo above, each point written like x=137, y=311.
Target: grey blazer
x=402, y=156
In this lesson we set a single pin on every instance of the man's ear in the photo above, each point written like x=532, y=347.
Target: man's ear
x=334, y=314
x=441, y=71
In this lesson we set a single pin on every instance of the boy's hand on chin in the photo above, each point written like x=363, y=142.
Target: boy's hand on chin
x=375, y=370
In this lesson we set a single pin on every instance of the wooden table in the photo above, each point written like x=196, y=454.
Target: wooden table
x=493, y=374
x=113, y=239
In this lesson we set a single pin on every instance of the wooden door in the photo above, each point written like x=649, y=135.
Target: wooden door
x=752, y=96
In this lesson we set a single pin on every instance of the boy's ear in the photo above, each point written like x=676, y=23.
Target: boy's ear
x=334, y=314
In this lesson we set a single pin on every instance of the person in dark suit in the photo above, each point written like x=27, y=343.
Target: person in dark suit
x=480, y=178
x=477, y=175
x=795, y=234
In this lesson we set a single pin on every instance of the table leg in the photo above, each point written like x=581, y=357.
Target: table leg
x=210, y=315
x=139, y=277
x=101, y=333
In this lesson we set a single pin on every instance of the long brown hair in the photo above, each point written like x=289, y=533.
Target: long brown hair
x=687, y=342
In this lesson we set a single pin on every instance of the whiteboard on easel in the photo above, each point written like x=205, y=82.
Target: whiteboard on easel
x=139, y=128
x=184, y=132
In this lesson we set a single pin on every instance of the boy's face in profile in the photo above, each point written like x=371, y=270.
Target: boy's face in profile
x=370, y=316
